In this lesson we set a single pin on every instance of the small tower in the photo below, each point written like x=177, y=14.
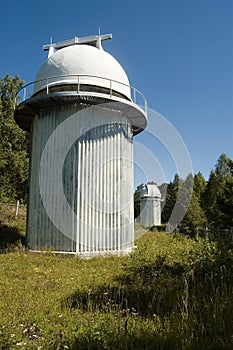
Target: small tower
x=82, y=118
x=150, y=205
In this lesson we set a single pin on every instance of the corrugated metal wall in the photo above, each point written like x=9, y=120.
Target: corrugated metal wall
x=150, y=212
x=90, y=151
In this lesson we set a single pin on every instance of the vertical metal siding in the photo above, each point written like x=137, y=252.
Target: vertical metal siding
x=150, y=212
x=94, y=173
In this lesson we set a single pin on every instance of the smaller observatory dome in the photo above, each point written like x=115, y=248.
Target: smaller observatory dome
x=90, y=64
x=150, y=190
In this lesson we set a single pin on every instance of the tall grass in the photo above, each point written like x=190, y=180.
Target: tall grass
x=12, y=227
x=173, y=292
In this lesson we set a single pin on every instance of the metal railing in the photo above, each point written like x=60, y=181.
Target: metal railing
x=26, y=91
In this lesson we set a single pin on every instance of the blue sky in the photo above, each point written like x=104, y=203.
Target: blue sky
x=179, y=53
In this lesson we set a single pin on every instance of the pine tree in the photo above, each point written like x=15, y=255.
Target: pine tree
x=195, y=217
x=218, y=194
x=199, y=184
x=169, y=193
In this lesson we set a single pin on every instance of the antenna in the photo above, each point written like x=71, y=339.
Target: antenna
x=51, y=48
x=98, y=41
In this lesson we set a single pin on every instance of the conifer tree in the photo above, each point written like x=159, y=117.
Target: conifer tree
x=218, y=195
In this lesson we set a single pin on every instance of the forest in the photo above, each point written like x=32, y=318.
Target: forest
x=211, y=204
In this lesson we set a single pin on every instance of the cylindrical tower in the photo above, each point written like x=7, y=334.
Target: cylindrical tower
x=82, y=119
x=150, y=205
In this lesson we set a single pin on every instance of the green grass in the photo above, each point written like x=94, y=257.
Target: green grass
x=12, y=227
x=172, y=293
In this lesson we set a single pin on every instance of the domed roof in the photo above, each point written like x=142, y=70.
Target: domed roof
x=150, y=190
x=79, y=71
x=93, y=65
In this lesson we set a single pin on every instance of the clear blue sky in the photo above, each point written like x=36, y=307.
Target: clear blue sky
x=179, y=53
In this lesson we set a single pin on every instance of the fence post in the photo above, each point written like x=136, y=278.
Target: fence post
x=17, y=208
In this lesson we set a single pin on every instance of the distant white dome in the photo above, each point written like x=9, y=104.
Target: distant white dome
x=93, y=65
x=150, y=190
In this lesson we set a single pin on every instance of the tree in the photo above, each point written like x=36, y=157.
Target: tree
x=182, y=203
x=226, y=203
x=195, y=216
x=13, y=144
x=210, y=199
x=218, y=194
x=136, y=200
x=224, y=166
x=184, y=194
x=199, y=184
x=171, y=191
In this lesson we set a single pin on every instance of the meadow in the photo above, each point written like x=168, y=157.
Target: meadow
x=173, y=292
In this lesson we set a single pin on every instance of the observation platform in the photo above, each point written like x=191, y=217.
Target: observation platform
x=70, y=89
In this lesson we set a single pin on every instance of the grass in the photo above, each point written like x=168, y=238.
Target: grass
x=12, y=227
x=172, y=293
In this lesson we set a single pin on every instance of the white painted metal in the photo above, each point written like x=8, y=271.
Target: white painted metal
x=150, y=205
x=90, y=211
x=91, y=40
x=25, y=112
x=95, y=67
x=96, y=168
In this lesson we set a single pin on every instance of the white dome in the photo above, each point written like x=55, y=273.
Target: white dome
x=150, y=190
x=94, y=66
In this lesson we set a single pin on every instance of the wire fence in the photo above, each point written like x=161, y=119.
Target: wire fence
x=214, y=233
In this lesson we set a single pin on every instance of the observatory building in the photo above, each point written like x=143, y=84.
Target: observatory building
x=150, y=205
x=82, y=114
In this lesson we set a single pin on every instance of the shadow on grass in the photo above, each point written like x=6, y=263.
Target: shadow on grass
x=133, y=341
x=10, y=238
x=142, y=290
x=194, y=299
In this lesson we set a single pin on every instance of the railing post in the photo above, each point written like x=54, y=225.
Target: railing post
x=78, y=85
x=134, y=95
x=110, y=88
x=24, y=93
x=145, y=103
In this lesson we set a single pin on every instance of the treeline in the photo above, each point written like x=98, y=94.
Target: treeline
x=14, y=144
x=202, y=204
